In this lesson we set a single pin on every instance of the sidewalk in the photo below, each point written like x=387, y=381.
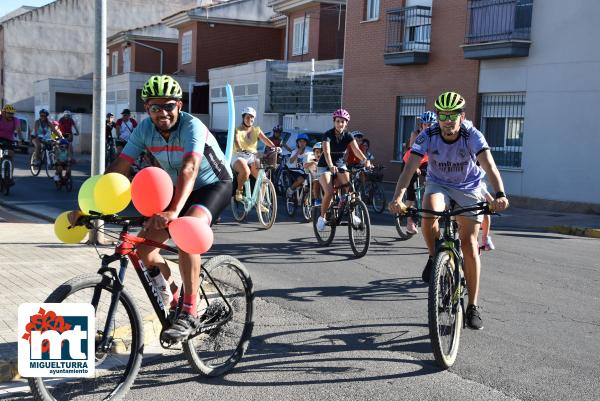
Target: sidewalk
x=34, y=263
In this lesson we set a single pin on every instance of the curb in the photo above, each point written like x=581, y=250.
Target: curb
x=578, y=231
x=152, y=327
x=28, y=211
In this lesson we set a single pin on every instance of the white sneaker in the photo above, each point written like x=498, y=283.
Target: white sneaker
x=321, y=223
x=411, y=227
x=488, y=245
x=356, y=220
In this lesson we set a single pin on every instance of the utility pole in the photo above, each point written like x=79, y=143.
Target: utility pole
x=99, y=108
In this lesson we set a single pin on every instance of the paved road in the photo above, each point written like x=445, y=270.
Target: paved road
x=328, y=326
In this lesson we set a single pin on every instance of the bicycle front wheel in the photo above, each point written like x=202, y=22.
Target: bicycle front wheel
x=445, y=310
x=307, y=205
x=359, y=228
x=6, y=176
x=266, y=207
x=217, y=351
x=35, y=165
x=118, y=352
x=324, y=237
x=400, y=222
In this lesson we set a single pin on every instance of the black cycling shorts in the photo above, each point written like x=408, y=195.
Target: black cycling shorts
x=215, y=197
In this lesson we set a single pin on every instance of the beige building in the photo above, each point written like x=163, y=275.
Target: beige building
x=57, y=41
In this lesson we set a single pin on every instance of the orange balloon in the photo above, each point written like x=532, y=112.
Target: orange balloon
x=191, y=234
x=151, y=191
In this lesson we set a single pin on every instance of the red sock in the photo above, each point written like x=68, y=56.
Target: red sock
x=189, y=304
x=175, y=300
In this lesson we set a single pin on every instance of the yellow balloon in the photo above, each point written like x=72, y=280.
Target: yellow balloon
x=112, y=193
x=86, y=194
x=68, y=235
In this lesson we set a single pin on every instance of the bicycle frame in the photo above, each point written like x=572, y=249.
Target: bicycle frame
x=251, y=200
x=125, y=251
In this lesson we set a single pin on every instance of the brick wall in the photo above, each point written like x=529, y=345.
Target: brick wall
x=332, y=26
x=148, y=60
x=371, y=88
x=313, y=12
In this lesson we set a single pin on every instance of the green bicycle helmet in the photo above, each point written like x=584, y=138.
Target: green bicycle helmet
x=450, y=101
x=161, y=86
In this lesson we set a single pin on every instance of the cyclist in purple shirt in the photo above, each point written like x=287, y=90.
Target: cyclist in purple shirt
x=454, y=150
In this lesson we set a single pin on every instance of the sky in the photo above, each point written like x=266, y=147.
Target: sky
x=7, y=6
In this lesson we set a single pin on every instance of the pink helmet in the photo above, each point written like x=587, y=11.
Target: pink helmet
x=341, y=113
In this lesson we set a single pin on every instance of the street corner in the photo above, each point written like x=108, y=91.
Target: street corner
x=577, y=231
x=8, y=371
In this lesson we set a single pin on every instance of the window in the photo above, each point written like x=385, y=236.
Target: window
x=115, y=63
x=300, y=36
x=372, y=9
x=186, y=47
x=502, y=124
x=127, y=59
x=409, y=108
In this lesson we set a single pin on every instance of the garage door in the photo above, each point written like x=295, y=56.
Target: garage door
x=218, y=116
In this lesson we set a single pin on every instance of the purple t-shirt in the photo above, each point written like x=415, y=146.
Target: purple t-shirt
x=452, y=164
x=7, y=128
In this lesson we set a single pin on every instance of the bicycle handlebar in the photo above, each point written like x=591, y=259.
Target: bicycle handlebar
x=86, y=220
x=482, y=207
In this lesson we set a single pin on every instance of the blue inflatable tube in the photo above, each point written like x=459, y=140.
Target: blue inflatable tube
x=230, y=123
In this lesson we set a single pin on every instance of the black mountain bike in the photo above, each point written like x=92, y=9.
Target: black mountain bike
x=447, y=285
x=346, y=209
x=225, y=304
x=371, y=192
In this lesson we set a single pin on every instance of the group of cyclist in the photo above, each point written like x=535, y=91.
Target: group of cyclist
x=459, y=158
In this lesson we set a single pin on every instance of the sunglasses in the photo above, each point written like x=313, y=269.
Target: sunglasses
x=168, y=107
x=451, y=117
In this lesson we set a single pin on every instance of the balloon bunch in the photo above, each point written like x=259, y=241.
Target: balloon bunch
x=151, y=192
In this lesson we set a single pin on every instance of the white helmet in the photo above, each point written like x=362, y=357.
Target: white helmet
x=67, y=113
x=249, y=110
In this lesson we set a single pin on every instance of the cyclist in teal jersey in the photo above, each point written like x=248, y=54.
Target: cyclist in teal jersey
x=183, y=146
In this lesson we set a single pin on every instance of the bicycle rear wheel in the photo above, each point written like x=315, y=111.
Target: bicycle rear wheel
x=359, y=228
x=307, y=205
x=49, y=164
x=325, y=237
x=117, y=363
x=266, y=207
x=291, y=203
x=238, y=209
x=35, y=165
x=217, y=351
x=445, y=310
x=378, y=198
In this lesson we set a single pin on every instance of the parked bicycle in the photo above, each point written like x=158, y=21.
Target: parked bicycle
x=6, y=167
x=225, y=305
x=346, y=209
x=263, y=197
x=447, y=285
x=302, y=197
x=371, y=192
x=400, y=221
x=47, y=159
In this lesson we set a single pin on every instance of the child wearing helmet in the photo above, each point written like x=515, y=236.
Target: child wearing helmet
x=62, y=156
x=296, y=163
x=245, y=142
x=310, y=164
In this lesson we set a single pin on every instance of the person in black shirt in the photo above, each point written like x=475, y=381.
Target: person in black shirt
x=332, y=162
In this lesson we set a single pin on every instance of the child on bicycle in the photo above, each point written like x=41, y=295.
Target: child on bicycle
x=312, y=158
x=62, y=158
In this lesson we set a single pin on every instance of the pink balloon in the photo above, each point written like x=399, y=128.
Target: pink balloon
x=151, y=191
x=191, y=234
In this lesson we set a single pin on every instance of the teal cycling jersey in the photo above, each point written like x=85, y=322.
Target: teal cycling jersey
x=188, y=136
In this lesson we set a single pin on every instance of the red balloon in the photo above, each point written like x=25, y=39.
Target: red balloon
x=191, y=234
x=151, y=191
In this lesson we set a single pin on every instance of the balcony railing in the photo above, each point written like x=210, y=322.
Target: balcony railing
x=498, y=20
x=408, y=35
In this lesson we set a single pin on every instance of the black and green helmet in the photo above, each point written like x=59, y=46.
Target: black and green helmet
x=450, y=101
x=161, y=86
